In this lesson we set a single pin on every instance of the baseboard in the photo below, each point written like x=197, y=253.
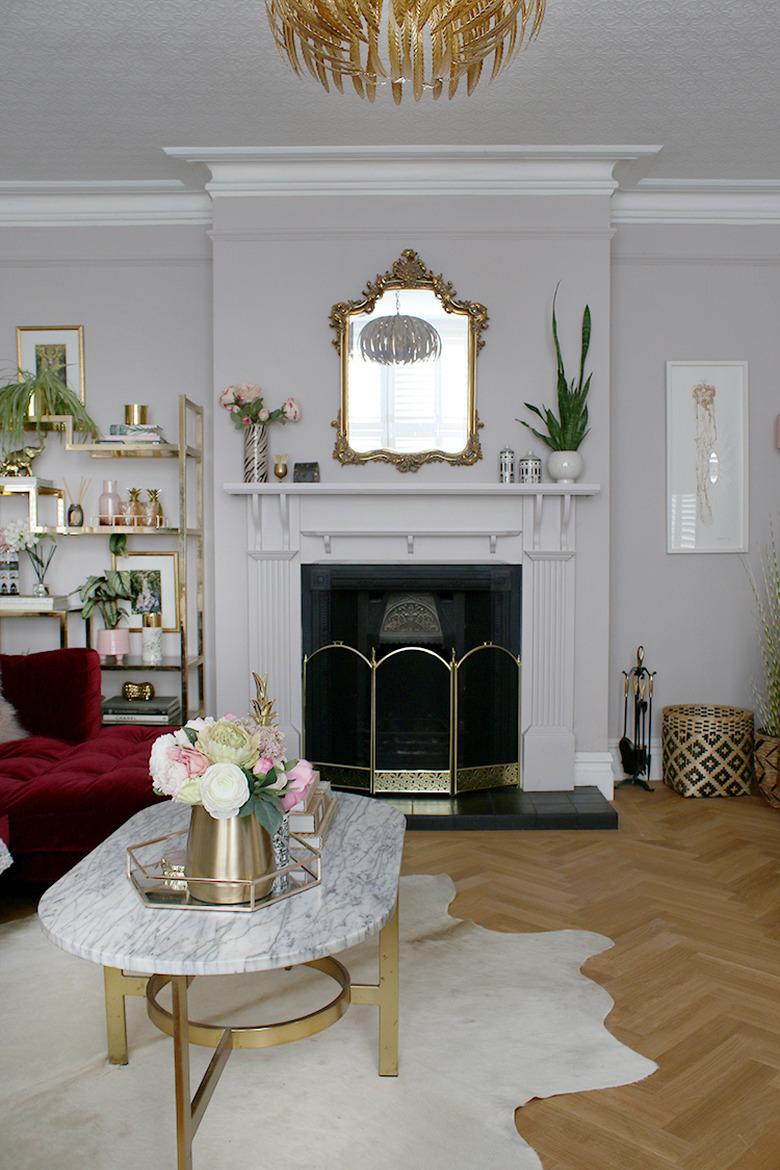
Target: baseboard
x=595, y=768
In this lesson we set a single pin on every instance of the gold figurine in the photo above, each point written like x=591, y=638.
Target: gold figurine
x=262, y=706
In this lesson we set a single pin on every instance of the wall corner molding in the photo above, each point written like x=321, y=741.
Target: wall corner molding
x=410, y=170
x=102, y=203
x=746, y=202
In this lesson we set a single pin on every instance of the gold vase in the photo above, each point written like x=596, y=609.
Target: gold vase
x=237, y=848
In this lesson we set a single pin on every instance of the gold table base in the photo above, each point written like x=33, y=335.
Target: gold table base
x=184, y=1031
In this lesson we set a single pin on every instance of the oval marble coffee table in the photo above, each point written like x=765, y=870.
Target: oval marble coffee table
x=95, y=913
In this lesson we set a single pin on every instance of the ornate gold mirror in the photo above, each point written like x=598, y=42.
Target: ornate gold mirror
x=408, y=350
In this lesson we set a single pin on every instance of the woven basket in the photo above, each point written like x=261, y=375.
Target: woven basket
x=768, y=767
x=708, y=750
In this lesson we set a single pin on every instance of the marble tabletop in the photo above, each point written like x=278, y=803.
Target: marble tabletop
x=94, y=912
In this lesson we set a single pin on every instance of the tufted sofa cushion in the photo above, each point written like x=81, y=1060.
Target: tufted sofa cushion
x=62, y=800
x=56, y=692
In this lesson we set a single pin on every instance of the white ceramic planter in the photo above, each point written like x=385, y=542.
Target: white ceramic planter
x=565, y=466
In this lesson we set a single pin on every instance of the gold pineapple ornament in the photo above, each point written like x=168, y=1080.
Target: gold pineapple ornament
x=134, y=516
x=262, y=706
x=154, y=509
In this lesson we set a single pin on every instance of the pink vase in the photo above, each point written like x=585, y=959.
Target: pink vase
x=116, y=642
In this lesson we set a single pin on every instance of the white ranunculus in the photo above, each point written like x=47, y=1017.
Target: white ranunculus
x=223, y=790
x=168, y=776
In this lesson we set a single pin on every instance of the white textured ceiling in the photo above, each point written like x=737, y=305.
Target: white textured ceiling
x=91, y=89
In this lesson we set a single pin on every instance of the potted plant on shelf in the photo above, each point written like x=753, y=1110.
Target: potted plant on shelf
x=104, y=592
x=766, y=592
x=31, y=399
x=565, y=431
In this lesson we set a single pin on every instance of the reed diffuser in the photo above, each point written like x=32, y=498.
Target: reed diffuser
x=75, y=514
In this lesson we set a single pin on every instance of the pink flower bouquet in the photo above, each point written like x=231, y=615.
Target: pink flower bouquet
x=225, y=766
x=244, y=402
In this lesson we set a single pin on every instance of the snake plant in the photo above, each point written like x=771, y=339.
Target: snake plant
x=566, y=431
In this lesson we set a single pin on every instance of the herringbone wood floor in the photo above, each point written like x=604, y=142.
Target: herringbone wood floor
x=689, y=890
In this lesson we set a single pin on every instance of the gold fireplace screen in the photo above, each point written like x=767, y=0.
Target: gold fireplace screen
x=411, y=721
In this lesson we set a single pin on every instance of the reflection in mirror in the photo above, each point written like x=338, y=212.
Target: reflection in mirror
x=422, y=406
x=408, y=392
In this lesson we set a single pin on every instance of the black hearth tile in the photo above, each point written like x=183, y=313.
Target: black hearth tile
x=558, y=820
x=510, y=800
x=598, y=820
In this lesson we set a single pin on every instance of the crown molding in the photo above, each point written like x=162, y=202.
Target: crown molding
x=102, y=203
x=699, y=201
x=410, y=170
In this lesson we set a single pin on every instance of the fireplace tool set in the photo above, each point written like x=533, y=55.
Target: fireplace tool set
x=635, y=753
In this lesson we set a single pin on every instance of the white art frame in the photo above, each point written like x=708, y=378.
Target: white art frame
x=706, y=457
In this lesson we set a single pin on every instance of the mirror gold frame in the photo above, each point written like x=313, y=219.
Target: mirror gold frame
x=409, y=272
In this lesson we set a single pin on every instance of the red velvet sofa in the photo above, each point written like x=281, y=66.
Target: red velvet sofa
x=68, y=786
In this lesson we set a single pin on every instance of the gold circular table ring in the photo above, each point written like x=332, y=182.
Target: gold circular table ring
x=257, y=1035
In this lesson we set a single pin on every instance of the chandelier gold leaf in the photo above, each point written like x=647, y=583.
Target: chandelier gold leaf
x=427, y=43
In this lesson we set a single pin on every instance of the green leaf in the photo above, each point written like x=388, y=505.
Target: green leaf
x=268, y=810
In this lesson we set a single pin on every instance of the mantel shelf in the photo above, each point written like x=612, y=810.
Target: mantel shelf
x=412, y=489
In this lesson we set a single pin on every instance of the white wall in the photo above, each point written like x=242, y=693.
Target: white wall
x=687, y=293
x=280, y=264
x=143, y=296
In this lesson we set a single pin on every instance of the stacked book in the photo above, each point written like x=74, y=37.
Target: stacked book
x=162, y=709
x=18, y=602
x=311, y=819
x=132, y=434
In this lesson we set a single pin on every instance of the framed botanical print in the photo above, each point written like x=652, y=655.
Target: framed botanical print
x=706, y=457
x=154, y=578
x=55, y=347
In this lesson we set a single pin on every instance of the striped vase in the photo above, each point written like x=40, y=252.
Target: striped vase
x=256, y=453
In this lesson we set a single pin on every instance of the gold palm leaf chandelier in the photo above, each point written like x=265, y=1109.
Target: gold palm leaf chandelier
x=427, y=44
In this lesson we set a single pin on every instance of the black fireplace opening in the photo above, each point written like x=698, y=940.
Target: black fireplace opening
x=408, y=696
x=349, y=604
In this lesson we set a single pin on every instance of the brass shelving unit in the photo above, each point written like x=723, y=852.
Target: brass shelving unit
x=188, y=451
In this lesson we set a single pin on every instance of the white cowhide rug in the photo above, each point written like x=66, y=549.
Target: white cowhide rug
x=488, y=1021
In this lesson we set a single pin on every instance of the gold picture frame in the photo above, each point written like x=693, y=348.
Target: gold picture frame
x=409, y=272
x=168, y=566
x=61, y=346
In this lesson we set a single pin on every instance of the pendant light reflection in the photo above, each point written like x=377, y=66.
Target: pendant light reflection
x=399, y=340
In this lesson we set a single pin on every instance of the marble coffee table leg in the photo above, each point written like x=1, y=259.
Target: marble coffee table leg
x=117, y=985
x=384, y=995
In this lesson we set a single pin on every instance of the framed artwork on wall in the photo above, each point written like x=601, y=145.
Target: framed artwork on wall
x=154, y=578
x=706, y=457
x=58, y=347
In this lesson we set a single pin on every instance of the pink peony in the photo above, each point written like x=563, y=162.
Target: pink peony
x=246, y=421
x=263, y=414
x=299, y=779
x=226, y=397
x=263, y=766
x=292, y=410
x=194, y=761
x=247, y=392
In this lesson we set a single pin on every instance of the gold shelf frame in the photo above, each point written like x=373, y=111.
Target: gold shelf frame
x=188, y=450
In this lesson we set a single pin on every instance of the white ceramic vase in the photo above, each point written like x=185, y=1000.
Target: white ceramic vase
x=564, y=466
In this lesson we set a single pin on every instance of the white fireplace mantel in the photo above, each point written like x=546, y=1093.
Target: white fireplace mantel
x=288, y=525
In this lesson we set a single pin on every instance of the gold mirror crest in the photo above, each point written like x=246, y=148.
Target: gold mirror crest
x=421, y=412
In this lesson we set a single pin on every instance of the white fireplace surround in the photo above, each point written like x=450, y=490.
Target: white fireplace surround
x=289, y=525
